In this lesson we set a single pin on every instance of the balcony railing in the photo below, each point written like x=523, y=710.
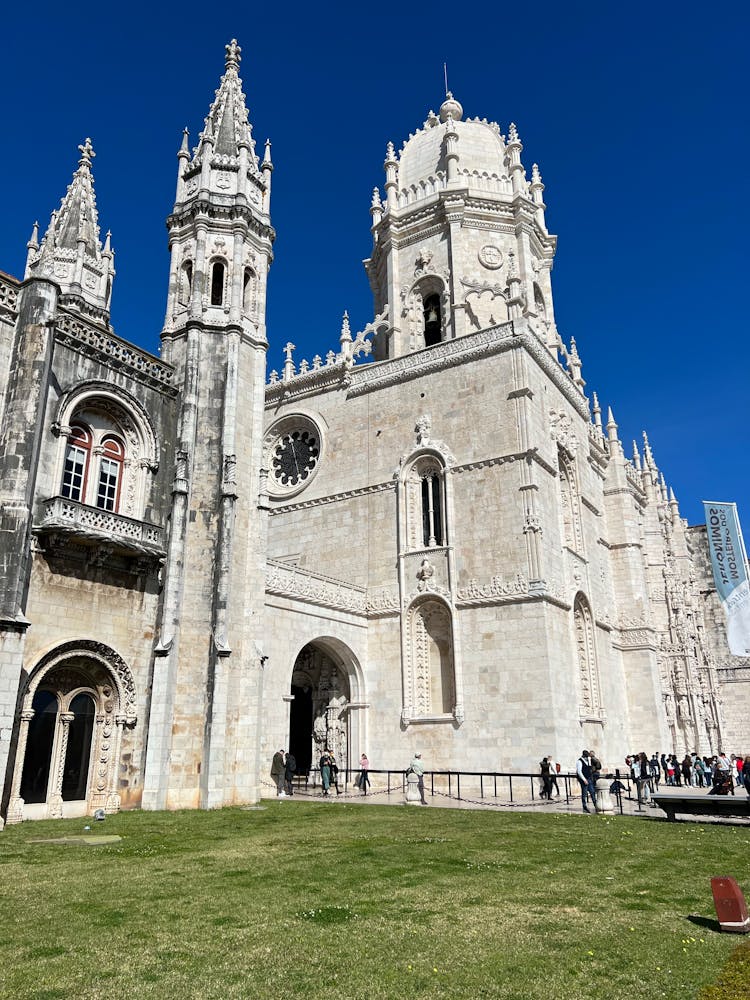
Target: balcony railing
x=93, y=525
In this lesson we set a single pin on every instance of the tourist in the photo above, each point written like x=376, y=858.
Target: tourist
x=687, y=769
x=746, y=774
x=740, y=765
x=544, y=770
x=334, y=773
x=364, y=778
x=554, y=770
x=417, y=767
x=665, y=769
x=596, y=767
x=642, y=775
x=325, y=770
x=655, y=771
x=290, y=767
x=278, y=771
x=584, y=774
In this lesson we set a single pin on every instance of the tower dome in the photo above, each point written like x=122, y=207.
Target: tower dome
x=480, y=144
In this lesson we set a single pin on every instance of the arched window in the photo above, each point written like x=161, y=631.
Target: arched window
x=424, y=491
x=430, y=687
x=433, y=326
x=432, y=508
x=110, y=474
x=217, y=283
x=39, y=742
x=248, y=291
x=186, y=282
x=588, y=671
x=77, y=455
x=78, y=750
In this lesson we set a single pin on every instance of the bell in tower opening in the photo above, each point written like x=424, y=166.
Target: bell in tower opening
x=432, y=323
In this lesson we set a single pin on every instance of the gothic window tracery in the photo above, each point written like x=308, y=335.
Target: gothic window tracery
x=425, y=503
x=69, y=738
x=569, y=504
x=430, y=683
x=106, y=451
x=588, y=670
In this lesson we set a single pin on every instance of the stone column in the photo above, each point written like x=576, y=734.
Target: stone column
x=15, y=808
x=55, y=798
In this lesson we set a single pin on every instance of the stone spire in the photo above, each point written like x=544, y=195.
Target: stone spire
x=227, y=123
x=71, y=251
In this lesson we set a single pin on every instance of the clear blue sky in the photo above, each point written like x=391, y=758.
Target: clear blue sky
x=636, y=114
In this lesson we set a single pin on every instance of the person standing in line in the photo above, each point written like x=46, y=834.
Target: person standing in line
x=655, y=770
x=665, y=769
x=364, y=777
x=278, y=771
x=290, y=767
x=746, y=773
x=418, y=768
x=334, y=773
x=585, y=773
x=642, y=774
x=325, y=770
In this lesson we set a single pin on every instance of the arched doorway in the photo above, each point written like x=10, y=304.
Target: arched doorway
x=76, y=704
x=324, y=694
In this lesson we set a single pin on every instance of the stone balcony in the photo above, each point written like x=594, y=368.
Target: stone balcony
x=67, y=520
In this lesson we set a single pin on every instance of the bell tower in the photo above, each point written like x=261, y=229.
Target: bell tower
x=460, y=242
x=207, y=667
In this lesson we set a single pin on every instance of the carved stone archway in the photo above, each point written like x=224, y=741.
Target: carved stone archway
x=326, y=687
x=78, y=699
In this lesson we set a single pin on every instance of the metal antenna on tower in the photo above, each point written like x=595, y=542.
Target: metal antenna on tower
x=445, y=75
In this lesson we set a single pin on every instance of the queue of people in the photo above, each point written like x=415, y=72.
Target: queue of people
x=720, y=773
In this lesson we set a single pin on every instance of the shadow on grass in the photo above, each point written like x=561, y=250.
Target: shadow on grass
x=708, y=923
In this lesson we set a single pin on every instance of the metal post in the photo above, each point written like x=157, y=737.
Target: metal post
x=510, y=786
x=458, y=782
x=481, y=786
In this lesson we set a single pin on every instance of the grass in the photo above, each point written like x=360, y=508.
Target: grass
x=349, y=901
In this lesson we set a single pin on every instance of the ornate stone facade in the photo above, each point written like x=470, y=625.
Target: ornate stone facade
x=442, y=549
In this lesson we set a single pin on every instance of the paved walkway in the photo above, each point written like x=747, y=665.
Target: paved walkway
x=440, y=800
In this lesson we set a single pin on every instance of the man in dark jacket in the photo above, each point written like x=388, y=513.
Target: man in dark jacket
x=289, y=770
x=585, y=775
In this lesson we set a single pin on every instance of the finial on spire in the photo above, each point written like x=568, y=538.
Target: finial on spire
x=647, y=453
x=513, y=133
x=346, y=333
x=536, y=177
x=184, y=147
x=636, y=457
x=233, y=55
x=33, y=243
x=87, y=153
x=267, y=152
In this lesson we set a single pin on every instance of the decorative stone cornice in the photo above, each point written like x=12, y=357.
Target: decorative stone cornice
x=115, y=353
x=333, y=498
x=9, y=290
x=300, y=584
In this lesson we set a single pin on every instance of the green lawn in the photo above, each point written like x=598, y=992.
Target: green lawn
x=341, y=900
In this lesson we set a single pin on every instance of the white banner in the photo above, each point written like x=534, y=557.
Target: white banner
x=729, y=562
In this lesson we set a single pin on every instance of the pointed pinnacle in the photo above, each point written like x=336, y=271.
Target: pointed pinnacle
x=267, y=152
x=597, y=408
x=536, y=177
x=34, y=238
x=184, y=148
x=233, y=55
x=346, y=333
x=513, y=133
x=376, y=202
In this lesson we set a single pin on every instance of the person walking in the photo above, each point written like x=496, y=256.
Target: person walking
x=325, y=770
x=278, y=770
x=418, y=768
x=290, y=768
x=584, y=773
x=364, y=777
x=554, y=770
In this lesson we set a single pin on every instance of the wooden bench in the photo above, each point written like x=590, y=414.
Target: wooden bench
x=704, y=805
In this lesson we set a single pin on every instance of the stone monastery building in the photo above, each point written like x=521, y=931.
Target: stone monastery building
x=180, y=592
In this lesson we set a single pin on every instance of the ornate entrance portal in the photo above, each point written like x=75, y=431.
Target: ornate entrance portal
x=320, y=713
